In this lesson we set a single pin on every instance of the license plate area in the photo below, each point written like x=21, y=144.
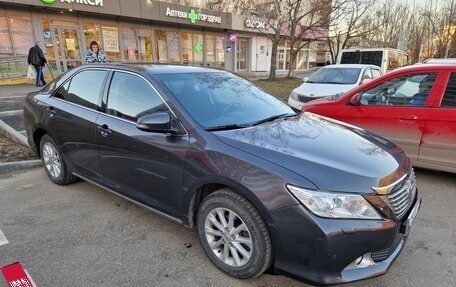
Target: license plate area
x=405, y=227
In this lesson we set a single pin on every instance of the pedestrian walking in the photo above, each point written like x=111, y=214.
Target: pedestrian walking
x=37, y=59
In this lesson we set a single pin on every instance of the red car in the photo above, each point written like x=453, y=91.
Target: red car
x=414, y=106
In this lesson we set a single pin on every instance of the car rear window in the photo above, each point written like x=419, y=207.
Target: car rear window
x=449, y=98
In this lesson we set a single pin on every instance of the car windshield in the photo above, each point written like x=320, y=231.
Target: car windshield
x=343, y=76
x=220, y=100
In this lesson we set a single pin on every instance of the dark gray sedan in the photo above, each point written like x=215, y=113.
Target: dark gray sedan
x=263, y=185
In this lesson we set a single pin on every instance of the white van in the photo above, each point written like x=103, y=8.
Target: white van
x=386, y=58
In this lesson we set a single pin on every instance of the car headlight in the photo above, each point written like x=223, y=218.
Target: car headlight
x=335, y=205
x=294, y=96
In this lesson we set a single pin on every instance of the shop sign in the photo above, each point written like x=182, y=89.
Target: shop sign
x=256, y=24
x=85, y=2
x=193, y=16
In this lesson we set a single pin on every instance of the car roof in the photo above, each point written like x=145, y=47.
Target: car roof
x=424, y=67
x=155, y=68
x=440, y=61
x=359, y=66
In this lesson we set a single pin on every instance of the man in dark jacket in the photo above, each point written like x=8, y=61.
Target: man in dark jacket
x=37, y=59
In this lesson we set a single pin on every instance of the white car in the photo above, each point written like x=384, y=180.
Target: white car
x=331, y=80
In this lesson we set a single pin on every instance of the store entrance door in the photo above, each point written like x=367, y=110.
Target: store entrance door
x=67, y=47
x=241, y=54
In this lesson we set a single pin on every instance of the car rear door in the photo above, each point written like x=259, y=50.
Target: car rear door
x=438, y=145
x=72, y=111
x=144, y=166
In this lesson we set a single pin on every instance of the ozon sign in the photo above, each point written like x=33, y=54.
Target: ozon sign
x=256, y=24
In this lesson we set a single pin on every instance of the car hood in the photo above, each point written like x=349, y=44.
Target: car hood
x=332, y=155
x=322, y=90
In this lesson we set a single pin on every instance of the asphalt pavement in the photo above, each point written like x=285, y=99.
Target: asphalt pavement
x=82, y=235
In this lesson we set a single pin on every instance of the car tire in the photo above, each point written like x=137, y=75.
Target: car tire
x=234, y=235
x=53, y=162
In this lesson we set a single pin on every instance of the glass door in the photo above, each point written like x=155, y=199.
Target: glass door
x=241, y=55
x=67, y=48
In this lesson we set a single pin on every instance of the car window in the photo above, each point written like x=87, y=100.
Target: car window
x=62, y=92
x=130, y=97
x=347, y=76
x=367, y=75
x=376, y=73
x=449, y=98
x=84, y=88
x=410, y=90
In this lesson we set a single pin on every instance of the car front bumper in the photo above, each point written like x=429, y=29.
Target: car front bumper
x=323, y=251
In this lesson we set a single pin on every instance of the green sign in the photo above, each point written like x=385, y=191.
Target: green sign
x=192, y=16
x=48, y=1
x=198, y=48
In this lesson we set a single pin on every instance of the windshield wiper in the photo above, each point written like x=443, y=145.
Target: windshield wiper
x=272, y=118
x=227, y=127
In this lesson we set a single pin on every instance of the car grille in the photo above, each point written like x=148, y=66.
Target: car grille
x=402, y=196
x=306, y=99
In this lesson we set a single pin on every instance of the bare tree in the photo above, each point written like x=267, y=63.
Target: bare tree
x=308, y=21
x=287, y=20
x=348, y=24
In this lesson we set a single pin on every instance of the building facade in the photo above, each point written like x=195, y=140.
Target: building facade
x=139, y=31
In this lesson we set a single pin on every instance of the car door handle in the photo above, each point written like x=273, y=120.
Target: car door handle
x=409, y=118
x=51, y=112
x=104, y=130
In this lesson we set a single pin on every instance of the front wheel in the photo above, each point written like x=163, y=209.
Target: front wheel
x=234, y=235
x=53, y=162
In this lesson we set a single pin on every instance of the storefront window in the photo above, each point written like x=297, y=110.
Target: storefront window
x=6, y=48
x=145, y=44
x=92, y=33
x=111, y=43
x=129, y=44
x=172, y=41
x=187, y=54
x=160, y=46
x=210, y=50
x=302, y=59
x=48, y=44
x=192, y=48
x=219, y=52
x=22, y=31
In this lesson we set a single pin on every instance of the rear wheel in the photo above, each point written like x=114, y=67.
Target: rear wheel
x=233, y=234
x=53, y=162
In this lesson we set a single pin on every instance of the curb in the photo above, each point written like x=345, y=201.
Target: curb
x=17, y=135
x=6, y=167
x=21, y=80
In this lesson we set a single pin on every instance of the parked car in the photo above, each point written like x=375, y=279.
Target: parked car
x=263, y=185
x=440, y=61
x=414, y=106
x=331, y=80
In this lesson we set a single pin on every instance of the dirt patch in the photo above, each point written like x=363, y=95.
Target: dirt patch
x=11, y=150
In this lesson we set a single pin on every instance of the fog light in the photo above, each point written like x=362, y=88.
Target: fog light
x=364, y=261
x=361, y=262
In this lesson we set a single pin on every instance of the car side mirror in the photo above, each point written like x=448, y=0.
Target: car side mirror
x=158, y=122
x=354, y=100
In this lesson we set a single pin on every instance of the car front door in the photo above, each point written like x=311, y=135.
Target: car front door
x=144, y=166
x=72, y=111
x=389, y=110
x=438, y=145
